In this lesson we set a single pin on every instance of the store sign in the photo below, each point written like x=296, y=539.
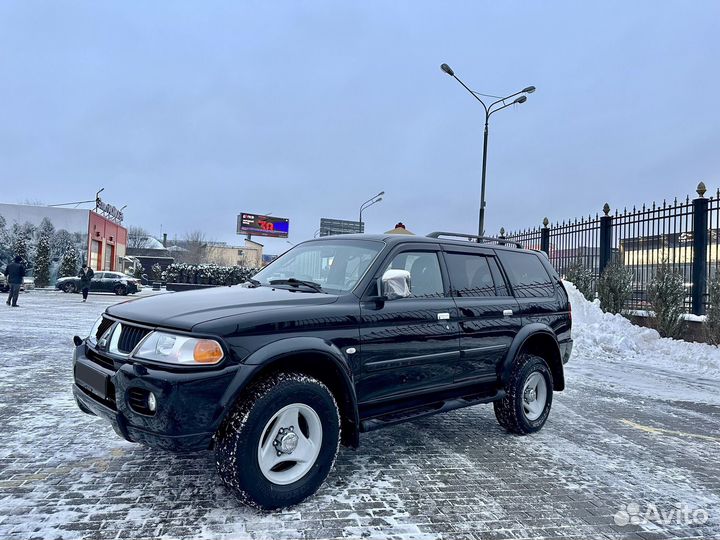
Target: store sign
x=259, y=225
x=108, y=209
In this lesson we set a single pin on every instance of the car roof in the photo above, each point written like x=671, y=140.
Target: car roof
x=393, y=239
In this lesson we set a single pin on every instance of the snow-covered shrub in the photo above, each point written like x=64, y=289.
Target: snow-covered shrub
x=157, y=272
x=712, y=319
x=615, y=287
x=208, y=274
x=666, y=293
x=42, y=262
x=69, y=263
x=139, y=271
x=582, y=277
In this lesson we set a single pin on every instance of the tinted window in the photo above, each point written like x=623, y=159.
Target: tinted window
x=424, y=268
x=500, y=285
x=527, y=274
x=470, y=275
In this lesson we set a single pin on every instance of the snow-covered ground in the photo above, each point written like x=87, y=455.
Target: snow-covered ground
x=608, y=347
x=638, y=425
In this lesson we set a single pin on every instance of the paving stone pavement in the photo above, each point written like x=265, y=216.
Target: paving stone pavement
x=64, y=474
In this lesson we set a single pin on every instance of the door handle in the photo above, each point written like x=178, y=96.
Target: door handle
x=443, y=316
x=507, y=312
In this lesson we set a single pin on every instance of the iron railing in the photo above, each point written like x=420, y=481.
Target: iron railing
x=685, y=234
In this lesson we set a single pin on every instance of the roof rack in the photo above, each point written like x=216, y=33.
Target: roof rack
x=501, y=241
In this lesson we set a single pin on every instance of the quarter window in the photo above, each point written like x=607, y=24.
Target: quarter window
x=470, y=275
x=527, y=275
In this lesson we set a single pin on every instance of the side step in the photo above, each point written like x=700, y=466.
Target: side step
x=429, y=409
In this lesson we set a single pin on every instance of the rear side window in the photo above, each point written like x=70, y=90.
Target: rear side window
x=527, y=275
x=470, y=275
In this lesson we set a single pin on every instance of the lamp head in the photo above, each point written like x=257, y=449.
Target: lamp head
x=529, y=90
x=521, y=99
x=447, y=69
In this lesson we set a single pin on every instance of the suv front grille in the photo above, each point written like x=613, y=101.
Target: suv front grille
x=130, y=337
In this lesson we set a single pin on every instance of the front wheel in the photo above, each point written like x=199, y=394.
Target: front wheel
x=69, y=288
x=120, y=290
x=528, y=396
x=279, y=444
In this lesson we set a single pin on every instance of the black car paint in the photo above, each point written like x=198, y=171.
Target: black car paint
x=403, y=353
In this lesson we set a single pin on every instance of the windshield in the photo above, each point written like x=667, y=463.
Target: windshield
x=335, y=265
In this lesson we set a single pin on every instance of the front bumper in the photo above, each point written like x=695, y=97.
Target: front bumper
x=189, y=404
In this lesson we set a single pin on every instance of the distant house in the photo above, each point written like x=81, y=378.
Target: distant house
x=250, y=255
x=153, y=253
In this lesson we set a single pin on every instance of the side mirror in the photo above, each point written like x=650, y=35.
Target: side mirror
x=395, y=284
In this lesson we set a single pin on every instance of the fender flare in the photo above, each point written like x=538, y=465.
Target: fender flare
x=521, y=338
x=274, y=353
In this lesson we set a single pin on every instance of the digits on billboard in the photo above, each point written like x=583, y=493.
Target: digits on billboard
x=260, y=225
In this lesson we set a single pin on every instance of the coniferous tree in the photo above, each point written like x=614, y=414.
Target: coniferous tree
x=20, y=247
x=69, y=263
x=615, y=287
x=42, y=262
x=666, y=293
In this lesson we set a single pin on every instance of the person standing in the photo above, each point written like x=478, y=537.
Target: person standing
x=14, y=272
x=85, y=275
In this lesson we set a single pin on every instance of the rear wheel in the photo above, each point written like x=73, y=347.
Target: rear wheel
x=278, y=446
x=528, y=396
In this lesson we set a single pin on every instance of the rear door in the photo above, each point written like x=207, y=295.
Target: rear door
x=409, y=345
x=97, y=282
x=533, y=287
x=487, y=312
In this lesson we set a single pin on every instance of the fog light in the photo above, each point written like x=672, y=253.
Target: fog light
x=151, y=402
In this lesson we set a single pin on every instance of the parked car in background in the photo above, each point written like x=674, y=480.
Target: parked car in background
x=3, y=283
x=28, y=283
x=115, y=282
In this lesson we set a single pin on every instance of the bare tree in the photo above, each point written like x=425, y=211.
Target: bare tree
x=137, y=237
x=195, y=245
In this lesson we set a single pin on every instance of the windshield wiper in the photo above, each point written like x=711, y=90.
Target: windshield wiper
x=297, y=283
x=254, y=282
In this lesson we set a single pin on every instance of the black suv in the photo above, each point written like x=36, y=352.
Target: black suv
x=338, y=336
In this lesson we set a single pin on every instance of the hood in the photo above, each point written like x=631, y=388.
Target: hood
x=183, y=310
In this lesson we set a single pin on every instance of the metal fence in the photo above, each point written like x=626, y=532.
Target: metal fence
x=683, y=233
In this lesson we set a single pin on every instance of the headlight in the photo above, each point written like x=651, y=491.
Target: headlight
x=183, y=350
x=93, y=332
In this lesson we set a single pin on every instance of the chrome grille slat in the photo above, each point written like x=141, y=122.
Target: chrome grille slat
x=104, y=325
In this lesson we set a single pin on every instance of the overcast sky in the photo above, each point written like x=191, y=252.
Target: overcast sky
x=191, y=112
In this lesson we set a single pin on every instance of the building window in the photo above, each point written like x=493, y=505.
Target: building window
x=109, y=252
x=94, y=255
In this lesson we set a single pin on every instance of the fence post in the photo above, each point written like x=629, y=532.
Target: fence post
x=700, y=243
x=545, y=238
x=606, y=237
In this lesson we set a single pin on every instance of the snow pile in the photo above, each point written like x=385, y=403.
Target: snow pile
x=603, y=337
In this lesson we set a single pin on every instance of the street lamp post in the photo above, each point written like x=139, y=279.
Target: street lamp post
x=489, y=110
x=372, y=200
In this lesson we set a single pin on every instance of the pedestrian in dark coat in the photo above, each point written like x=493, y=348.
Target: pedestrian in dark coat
x=14, y=272
x=85, y=275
